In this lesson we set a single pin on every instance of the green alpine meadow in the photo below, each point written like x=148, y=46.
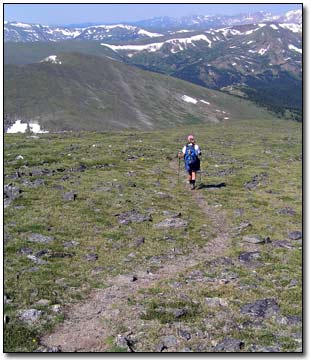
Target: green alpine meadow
x=106, y=249
x=115, y=239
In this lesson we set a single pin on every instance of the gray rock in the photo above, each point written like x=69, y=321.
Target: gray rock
x=42, y=239
x=249, y=256
x=261, y=308
x=125, y=342
x=184, y=334
x=133, y=217
x=171, y=223
x=169, y=341
x=37, y=260
x=25, y=251
x=215, y=301
x=253, y=239
x=295, y=235
x=69, y=196
x=230, y=345
x=287, y=211
x=282, y=243
x=91, y=257
x=10, y=193
x=30, y=316
x=139, y=241
x=70, y=244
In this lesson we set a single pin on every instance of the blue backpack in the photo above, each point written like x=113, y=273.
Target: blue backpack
x=190, y=156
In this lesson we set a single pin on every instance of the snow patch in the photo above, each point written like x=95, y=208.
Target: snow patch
x=149, y=34
x=263, y=51
x=19, y=127
x=205, y=102
x=294, y=48
x=156, y=46
x=189, y=99
x=22, y=25
x=52, y=58
x=292, y=27
x=274, y=27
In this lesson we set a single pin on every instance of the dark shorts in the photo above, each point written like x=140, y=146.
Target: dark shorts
x=193, y=167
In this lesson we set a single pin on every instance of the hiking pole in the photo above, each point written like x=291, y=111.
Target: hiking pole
x=179, y=170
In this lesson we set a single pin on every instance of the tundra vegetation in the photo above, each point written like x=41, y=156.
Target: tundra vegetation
x=84, y=208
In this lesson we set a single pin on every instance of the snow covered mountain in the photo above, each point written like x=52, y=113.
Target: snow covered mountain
x=156, y=27
x=21, y=32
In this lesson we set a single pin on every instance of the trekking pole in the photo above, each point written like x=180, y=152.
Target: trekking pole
x=179, y=170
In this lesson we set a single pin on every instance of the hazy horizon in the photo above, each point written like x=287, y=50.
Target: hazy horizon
x=66, y=14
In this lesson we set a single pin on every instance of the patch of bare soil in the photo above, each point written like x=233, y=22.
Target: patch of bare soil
x=88, y=324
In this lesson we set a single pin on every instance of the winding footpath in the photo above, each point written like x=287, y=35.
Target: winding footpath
x=88, y=325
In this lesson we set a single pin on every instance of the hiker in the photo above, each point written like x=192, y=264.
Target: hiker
x=191, y=153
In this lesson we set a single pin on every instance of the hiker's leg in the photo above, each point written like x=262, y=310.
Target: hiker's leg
x=193, y=180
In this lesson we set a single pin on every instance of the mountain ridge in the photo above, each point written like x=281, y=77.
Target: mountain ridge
x=76, y=91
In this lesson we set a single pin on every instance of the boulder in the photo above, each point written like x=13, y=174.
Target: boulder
x=171, y=223
x=261, y=308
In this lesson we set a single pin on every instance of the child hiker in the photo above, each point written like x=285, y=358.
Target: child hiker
x=190, y=153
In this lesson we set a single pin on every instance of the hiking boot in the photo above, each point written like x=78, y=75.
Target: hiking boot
x=193, y=186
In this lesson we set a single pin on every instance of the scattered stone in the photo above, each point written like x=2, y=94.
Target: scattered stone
x=60, y=255
x=261, y=308
x=30, y=316
x=163, y=195
x=171, y=223
x=260, y=179
x=131, y=184
x=243, y=226
x=256, y=239
x=287, y=211
x=169, y=341
x=91, y=257
x=42, y=239
x=230, y=345
x=292, y=283
x=43, y=302
x=97, y=270
x=186, y=349
x=172, y=214
x=124, y=342
x=56, y=308
x=215, y=301
x=184, y=334
x=69, y=196
x=70, y=244
x=41, y=253
x=282, y=243
x=25, y=251
x=10, y=193
x=37, y=260
x=132, y=217
x=6, y=299
x=295, y=235
x=249, y=256
x=139, y=241
x=220, y=261
x=57, y=187
x=160, y=347
x=239, y=212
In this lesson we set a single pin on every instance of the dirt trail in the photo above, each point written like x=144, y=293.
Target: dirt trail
x=88, y=324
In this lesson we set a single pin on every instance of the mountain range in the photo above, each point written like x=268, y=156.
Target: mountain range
x=26, y=32
x=255, y=57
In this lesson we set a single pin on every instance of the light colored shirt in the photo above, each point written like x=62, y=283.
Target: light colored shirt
x=197, y=149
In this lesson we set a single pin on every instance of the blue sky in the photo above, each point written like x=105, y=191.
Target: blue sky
x=60, y=14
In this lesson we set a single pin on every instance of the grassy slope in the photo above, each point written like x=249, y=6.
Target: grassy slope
x=92, y=93
x=243, y=149
x=28, y=53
